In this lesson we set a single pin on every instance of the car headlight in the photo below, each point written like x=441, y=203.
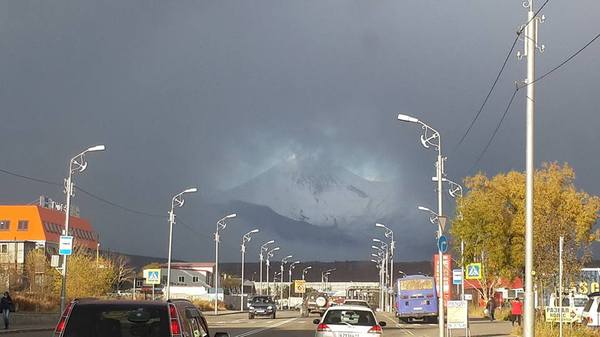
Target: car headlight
x=269, y=307
x=251, y=307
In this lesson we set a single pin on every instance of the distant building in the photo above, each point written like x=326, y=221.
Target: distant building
x=189, y=274
x=24, y=228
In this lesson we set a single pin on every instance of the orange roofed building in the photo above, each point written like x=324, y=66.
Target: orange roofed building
x=24, y=228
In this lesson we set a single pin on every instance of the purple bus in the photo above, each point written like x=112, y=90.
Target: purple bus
x=416, y=299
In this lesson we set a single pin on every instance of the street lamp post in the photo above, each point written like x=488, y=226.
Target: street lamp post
x=292, y=265
x=323, y=274
x=221, y=224
x=304, y=271
x=390, y=235
x=177, y=201
x=283, y=262
x=379, y=262
x=383, y=249
x=431, y=137
x=246, y=238
x=263, y=249
x=77, y=164
x=270, y=254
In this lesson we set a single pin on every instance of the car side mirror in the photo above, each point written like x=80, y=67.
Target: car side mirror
x=316, y=321
x=382, y=324
x=221, y=334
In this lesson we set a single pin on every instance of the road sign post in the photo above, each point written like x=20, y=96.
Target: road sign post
x=474, y=271
x=442, y=244
x=65, y=246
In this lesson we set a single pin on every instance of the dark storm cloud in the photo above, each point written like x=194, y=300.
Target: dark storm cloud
x=212, y=93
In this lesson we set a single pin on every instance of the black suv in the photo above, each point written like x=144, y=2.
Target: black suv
x=110, y=318
x=262, y=306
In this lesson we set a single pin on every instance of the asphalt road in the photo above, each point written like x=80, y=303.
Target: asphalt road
x=290, y=324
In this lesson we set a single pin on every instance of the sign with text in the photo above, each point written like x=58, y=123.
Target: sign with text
x=457, y=314
x=447, y=265
x=65, y=246
x=457, y=277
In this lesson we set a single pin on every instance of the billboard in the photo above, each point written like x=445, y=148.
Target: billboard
x=447, y=265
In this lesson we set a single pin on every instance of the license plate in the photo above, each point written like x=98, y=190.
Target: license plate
x=418, y=308
x=260, y=311
x=346, y=334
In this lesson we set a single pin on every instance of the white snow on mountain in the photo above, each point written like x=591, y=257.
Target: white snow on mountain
x=319, y=192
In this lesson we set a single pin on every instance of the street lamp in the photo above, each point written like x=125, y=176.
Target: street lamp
x=221, y=224
x=270, y=254
x=77, y=164
x=385, y=279
x=283, y=262
x=390, y=235
x=263, y=250
x=431, y=137
x=326, y=272
x=176, y=201
x=304, y=271
x=292, y=266
x=245, y=238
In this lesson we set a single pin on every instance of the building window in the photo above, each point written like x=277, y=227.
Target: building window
x=181, y=279
x=195, y=279
x=4, y=248
x=4, y=225
x=23, y=225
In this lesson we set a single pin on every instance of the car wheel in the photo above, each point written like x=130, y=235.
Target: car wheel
x=250, y=316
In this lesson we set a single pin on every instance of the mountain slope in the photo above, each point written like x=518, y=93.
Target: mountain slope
x=318, y=192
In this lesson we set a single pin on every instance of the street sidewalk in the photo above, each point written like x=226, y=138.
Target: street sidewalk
x=26, y=328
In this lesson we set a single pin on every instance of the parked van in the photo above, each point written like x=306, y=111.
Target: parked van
x=591, y=311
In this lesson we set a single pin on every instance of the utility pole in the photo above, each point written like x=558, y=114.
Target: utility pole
x=440, y=175
x=530, y=48
x=560, y=283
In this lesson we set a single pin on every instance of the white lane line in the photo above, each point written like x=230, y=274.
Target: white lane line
x=255, y=331
x=404, y=329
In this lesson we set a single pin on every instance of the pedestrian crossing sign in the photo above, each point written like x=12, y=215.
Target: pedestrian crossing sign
x=152, y=276
x=474, y=271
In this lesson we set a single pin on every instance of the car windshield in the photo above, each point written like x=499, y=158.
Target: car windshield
x=117, y=320
x=258, y=300
x=352, y=317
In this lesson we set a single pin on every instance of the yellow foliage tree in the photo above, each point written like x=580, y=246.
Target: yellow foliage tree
x=490, y=219
x=85, y=277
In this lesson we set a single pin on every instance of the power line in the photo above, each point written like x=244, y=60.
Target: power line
x=124, y=208
x=90, y=194
x=512, y=48
x=43, y=181
x=567, y=60
x=487, y=146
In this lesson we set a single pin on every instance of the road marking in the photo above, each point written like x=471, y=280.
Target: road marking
x=255, y=331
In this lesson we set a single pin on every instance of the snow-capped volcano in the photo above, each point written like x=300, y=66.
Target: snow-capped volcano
x=318, y=192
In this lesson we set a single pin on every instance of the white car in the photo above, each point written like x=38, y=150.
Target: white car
x=591, y=311
x=349, y=321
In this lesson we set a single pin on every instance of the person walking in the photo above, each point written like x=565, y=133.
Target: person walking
x=516, y=310
x=491, y=306
x=5, y=306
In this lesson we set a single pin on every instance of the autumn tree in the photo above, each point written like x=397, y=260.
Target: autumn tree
x=85, y=277
x=490, y=219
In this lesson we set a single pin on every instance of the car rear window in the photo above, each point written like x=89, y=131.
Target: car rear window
x=117, y=320
x=352, y=317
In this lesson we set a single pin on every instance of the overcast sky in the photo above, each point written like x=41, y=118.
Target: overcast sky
x=212, y=93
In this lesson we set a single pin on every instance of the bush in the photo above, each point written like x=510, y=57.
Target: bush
x=206, y=305
x=36, y=302
x=543, y=329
